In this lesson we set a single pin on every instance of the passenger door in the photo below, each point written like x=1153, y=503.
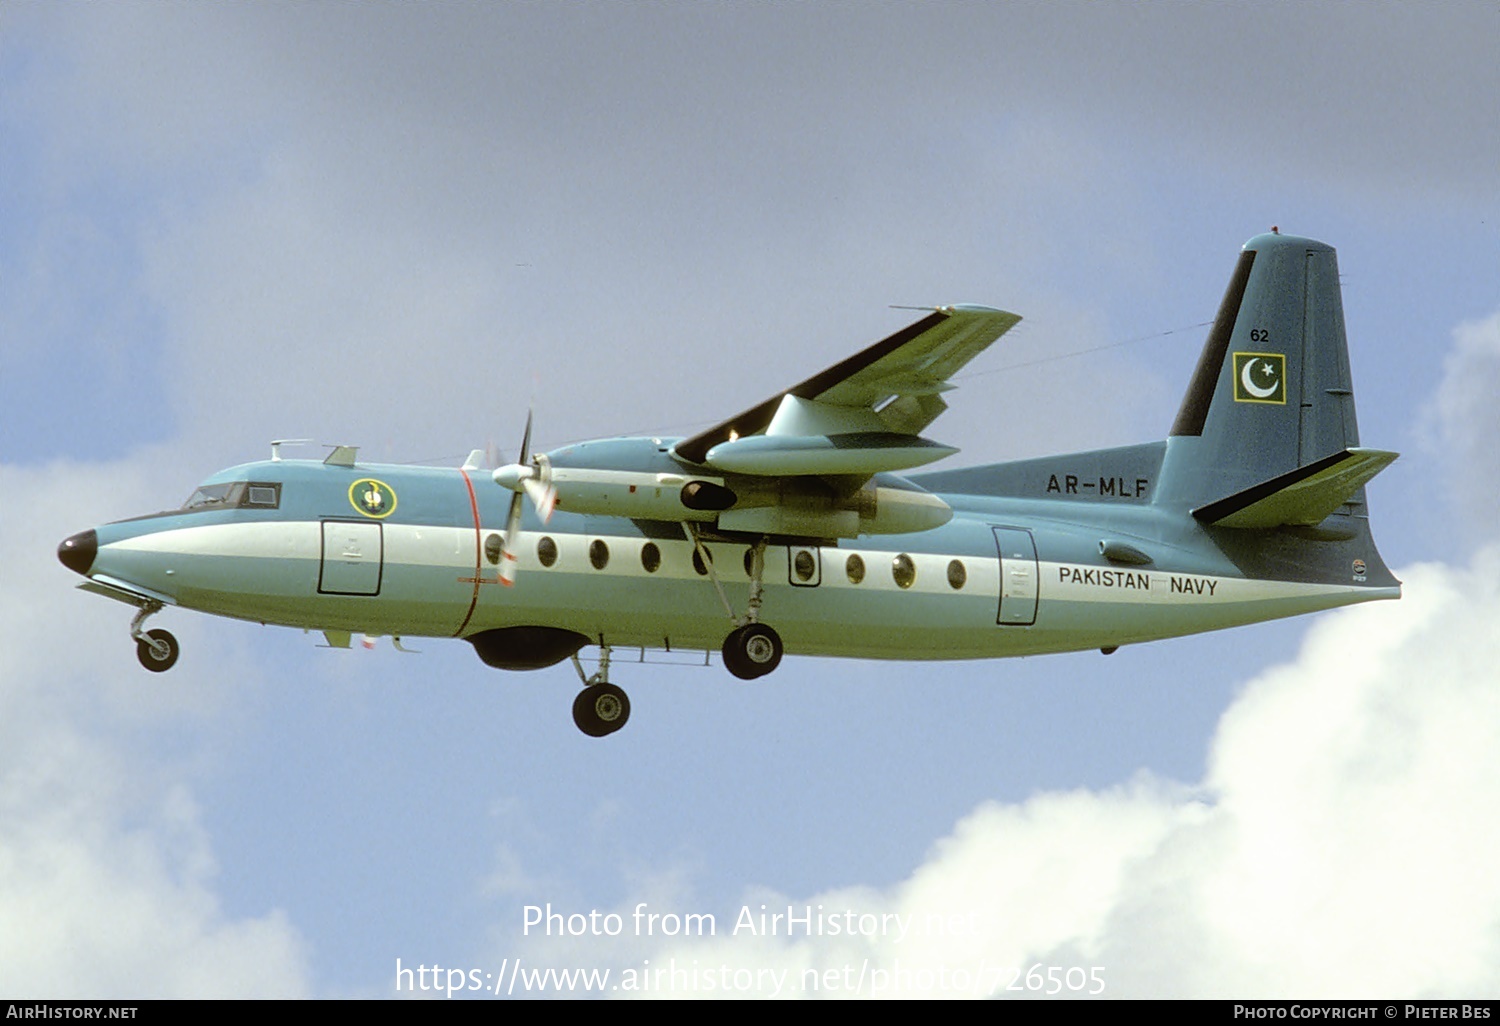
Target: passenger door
x=353, y=557
x=1018, y=576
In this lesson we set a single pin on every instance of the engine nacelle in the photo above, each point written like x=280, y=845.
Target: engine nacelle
x=899, y=511
x=640, y=496
x=878, y=510
x=750, y=506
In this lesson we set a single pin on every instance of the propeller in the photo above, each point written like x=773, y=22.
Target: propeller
x=530, y=477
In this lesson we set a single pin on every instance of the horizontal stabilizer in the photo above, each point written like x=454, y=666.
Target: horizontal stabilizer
x=1305, y=496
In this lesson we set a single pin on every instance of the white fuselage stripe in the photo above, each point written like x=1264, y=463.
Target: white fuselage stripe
x=408, y=545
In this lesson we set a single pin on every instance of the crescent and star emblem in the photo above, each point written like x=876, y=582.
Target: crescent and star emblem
x=1247, y=378
x=1260, y=378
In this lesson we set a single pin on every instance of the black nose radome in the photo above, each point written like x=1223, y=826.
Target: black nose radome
x=77, y=552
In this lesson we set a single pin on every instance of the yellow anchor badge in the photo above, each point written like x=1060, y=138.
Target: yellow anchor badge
x=372, y=498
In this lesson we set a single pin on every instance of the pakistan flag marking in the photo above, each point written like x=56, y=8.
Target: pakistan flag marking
x=1260, y=378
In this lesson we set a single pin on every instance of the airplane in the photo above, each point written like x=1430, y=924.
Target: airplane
x=799, y=525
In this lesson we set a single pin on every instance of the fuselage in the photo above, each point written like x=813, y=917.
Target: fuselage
x=414, y=551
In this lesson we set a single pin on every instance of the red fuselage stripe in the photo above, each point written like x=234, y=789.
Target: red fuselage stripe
x=478, y=548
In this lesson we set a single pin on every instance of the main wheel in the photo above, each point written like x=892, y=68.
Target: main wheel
x=601, y=709
x=153, y=660
x=734, y=659
x=752, y=651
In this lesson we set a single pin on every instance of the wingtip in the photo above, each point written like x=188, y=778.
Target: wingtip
x=980, y=310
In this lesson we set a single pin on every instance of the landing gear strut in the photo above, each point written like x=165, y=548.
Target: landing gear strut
x=753, y=649
x=157, y=650
x=601, y=707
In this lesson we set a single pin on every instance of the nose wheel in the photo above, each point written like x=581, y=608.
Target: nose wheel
x=157, y=650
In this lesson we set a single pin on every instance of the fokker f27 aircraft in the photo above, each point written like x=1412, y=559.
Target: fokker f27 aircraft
x=789, y=528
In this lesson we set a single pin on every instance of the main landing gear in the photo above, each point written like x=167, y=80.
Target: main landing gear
x=157, y=650
x=753, y=649
x=601, y=707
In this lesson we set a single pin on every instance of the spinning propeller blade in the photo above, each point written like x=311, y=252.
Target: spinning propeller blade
x=508, y=562
x=531, y=476
x=512, y=534
x=541, y=492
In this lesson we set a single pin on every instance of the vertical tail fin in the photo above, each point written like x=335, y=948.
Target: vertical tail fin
x=1266, y=439
x=1272, y=391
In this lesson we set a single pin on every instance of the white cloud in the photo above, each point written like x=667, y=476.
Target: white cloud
x=1466, y=420
x=1340, y=845
x=107, y=878
x=104, y=896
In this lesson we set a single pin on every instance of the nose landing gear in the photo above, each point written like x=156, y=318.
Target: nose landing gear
x=157, y=650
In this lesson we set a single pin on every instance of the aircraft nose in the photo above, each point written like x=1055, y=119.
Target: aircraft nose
x=77, y=552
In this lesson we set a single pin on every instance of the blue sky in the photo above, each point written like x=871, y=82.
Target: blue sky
x=395, y=226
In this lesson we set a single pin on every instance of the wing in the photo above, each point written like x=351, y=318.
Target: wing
x=862, y=415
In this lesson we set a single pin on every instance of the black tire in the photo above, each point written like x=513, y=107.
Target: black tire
x=148, y=656
x=734, y=658
x=601, y=709
x=752, y=651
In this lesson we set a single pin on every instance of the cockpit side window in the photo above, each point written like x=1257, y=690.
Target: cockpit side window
x=234, y=495
x=262, y=496
x=224, y=495
x=215, y=496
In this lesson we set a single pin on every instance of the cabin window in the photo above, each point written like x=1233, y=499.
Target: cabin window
x=749, y=562
x=854, y=566
x=650, y=557
x=598, y=554
x=492, y=547
x=904, y=571
x=698, y=564
x=803, y=565
x=957, y=575
x=546, y=551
